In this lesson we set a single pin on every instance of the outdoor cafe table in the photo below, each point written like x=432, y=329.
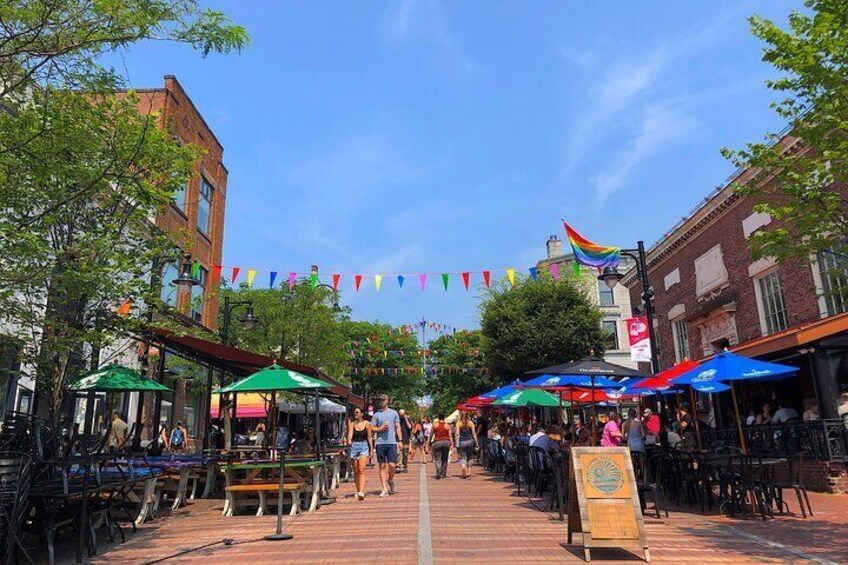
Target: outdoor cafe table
x=182, y=466
x=294, y=468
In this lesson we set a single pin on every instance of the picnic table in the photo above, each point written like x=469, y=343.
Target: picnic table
x=179, y=466
x=300, y=473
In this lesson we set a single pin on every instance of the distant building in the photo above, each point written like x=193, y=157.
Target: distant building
x=614, y=304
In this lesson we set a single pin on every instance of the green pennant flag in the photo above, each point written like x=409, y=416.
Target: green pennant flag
x=445, y=280
x=314, y=279
x=195, y=270
x=576, y=267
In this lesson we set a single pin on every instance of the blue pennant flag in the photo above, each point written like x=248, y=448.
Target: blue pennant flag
x=400, y=281
x=533, y=273
x=273, y=278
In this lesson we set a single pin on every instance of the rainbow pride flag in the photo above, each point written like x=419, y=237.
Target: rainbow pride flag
x=591, y=254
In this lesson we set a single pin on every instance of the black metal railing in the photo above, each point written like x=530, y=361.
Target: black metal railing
x=822, y=440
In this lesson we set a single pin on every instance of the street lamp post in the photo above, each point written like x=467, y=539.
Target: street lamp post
x=611, y=275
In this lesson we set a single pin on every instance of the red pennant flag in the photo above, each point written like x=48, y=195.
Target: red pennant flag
x=466, y=279
x=336, y=279
x=487, y=278
x=357, y=282
x=216, y=273
x=236, y=271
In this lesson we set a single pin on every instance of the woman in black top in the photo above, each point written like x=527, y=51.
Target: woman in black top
x=361, y=442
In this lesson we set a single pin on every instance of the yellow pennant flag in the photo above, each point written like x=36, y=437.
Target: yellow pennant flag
x=378, y=280
x=251, y=273
x=510, y=274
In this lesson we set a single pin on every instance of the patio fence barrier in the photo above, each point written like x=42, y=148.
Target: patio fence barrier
x=821, y=440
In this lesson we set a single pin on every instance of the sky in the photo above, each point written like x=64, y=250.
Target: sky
x=432, y=136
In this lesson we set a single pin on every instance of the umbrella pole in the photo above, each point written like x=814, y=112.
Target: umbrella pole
x=738, y=419
x=272, y=413
x=279, y=535
x=593, y=439
x=695, y=414
x=559, y=416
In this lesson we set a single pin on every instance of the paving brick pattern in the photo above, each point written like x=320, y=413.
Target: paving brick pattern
x=476, y=521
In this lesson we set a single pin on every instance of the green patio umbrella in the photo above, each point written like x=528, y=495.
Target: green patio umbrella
x=272, y=379
x=528, y=397
x=115, y=377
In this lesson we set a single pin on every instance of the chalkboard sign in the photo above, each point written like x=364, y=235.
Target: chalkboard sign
x=604, y=500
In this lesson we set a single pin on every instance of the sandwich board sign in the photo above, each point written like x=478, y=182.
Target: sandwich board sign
x=604, y=500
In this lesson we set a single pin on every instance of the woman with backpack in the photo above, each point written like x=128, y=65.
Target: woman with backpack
x=178, y=437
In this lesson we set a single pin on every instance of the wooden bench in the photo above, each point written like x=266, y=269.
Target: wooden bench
x=294, y=488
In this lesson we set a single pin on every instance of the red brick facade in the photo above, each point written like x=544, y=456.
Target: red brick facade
x=179, y=114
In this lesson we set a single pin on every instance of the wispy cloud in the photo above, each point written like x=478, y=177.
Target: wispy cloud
x=659, y=126
x=631, y=86
x=425, y=21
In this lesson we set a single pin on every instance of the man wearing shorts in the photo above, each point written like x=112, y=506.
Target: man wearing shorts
x=385, y=423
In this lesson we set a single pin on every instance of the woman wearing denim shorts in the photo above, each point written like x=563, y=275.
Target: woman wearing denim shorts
x=361, y=443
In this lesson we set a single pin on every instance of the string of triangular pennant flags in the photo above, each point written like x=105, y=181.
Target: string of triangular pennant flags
x=416, y=369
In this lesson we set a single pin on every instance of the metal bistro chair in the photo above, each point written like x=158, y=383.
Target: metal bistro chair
x=649, y=478
x=15, y=470
x=522, y=465
x=542, y=472
x=794, y=482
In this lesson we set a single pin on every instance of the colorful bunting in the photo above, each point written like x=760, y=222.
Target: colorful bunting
x=251, y=274
x=423, y=280
x=235, y=275
x=533, y=273
x=313, y=279
x=487, y=278
x=400, y=281
x=273, y=277
x=510, y=274
x=589, y=253
x=466, y=279
x=195, y=270
x=555, y=271
x=292, y=279
x=378, y=280
x=216, y=274
x=357, y=282
x=336, y=278
x=445, y=280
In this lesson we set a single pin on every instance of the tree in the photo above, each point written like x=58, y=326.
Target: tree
x=298, y=324
x=804, y=187
x=82, y=174
x=384, y=360
x=459, y=371
x=536, y=324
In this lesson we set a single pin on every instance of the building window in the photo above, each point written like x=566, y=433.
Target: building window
x=204, y=206
x=168, y=294
x=772, y=307
x=833, y=271
x=680, y=332
x=605, y=296
x=610, y=334
x=180, y=198
x=197, y=293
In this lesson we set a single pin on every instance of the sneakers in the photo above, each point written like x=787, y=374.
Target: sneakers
x=360, y=495
x=392, y=487
x=383, y=494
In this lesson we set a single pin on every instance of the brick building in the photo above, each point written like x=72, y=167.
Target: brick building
x=614, y=304
x=711, y=295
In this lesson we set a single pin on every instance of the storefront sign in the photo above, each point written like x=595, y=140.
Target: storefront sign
x=604, y=499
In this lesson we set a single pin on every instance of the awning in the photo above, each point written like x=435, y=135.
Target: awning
x=242, y=363
x=795, y=336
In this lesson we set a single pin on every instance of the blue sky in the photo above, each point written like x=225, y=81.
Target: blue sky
x=435, y=136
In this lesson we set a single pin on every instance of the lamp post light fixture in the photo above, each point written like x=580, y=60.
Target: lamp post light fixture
x=336, y=307
x=186, y=280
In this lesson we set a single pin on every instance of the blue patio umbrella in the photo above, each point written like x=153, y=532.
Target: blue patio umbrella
x=563, y=381
x=726, y=367
x=502, y=391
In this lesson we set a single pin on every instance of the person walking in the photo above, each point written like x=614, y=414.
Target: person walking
x=427, y=427
x=178, y=437
x=442, y=443
x=385, y=423
x=361, y=442
x=405, y=439
x=467, y=442
x=117, y=432
x=417, y=445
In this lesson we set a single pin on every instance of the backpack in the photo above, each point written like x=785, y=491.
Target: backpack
x=178, y=437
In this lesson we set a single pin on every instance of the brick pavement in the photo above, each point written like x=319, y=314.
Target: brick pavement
x=476, y=521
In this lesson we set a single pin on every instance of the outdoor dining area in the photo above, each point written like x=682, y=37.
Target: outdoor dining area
x=679, y=460
x=86, y=481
